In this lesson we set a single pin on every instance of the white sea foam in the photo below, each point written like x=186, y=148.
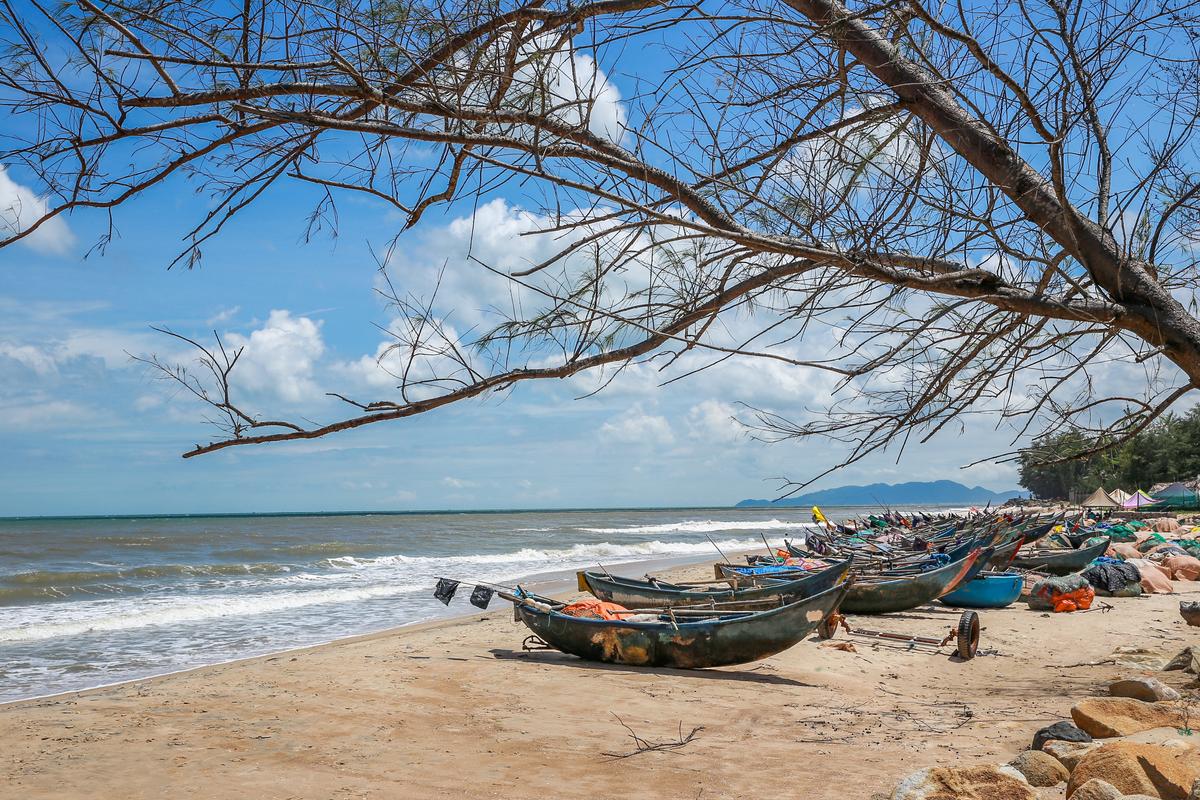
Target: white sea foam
x=359, y=579
x=709, y=526
x=586, y=553
x=176, y=610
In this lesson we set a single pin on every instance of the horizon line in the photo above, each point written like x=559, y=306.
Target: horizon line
x=448, y=511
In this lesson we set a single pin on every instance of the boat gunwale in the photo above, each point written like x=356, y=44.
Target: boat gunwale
x=733, y=616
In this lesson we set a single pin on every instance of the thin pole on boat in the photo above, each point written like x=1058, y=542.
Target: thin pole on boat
x=714, y=544
x=606, y=572
x=766, y=544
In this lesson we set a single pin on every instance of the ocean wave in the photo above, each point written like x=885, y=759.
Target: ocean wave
x=382, y=577
x=586, y=553
x=176, y=611
x=302, y=549
x=708, y=526
x=13, y=595
x=62, y=578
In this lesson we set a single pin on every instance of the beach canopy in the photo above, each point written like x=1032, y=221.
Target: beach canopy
x=1176, y=493
x=1139, y=500
x=1100, y=499
x=1120, y=495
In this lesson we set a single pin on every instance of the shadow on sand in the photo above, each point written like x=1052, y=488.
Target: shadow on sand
x=562, y=659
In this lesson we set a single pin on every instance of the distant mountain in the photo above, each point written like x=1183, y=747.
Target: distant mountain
x=893, y=494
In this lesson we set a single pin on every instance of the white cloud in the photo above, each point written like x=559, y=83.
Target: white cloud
x=37, y=413
x=442, y=259
x=457, y=483
x=113, y=347
x=223, y=316
x=579, y=78
x=35, y=358
x=280, y=357
x=48, y=346
x=552, y=79
x=713, y=421
x=147, y=402
x=637, y=427
x=881, y=148
x=417, y=355
x=20, y=208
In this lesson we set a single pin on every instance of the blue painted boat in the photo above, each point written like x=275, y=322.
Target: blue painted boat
x=987, y=590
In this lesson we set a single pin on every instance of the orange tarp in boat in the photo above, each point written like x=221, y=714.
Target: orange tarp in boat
x=596, y=609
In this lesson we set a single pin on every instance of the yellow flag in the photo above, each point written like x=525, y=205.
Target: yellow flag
x=818, y=516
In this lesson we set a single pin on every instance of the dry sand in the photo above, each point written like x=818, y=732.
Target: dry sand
x=456, y=709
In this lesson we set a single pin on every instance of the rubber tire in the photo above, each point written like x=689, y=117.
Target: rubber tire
x=968, y=635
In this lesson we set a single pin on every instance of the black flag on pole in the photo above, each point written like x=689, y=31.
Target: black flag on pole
x=445, y=590
x=481, y=596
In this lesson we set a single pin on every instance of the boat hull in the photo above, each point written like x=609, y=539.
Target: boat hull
x=1004, y=554
x=643, y=594
x=1062, y=562
x=902, y=594
x=686, y=645
x=986, y=591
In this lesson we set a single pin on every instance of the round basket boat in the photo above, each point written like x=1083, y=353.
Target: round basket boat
x=987, y=590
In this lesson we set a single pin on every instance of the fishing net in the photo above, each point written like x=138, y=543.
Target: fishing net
x=1113, y=578
x=596, y=609
x=1152, y=542
x=1121, y=533
x=1062, y=594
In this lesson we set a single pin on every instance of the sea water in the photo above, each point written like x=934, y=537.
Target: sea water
x=86, y=602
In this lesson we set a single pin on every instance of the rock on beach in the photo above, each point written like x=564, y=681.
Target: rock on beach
x=1106, y=717
x=963, y=783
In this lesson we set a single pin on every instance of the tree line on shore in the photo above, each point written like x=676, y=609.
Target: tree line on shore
x=1167, y=450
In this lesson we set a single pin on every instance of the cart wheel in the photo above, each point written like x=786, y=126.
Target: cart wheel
x=829, y=626
x=968, y=635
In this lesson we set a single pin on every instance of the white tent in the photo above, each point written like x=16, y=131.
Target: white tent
x=1120, y=495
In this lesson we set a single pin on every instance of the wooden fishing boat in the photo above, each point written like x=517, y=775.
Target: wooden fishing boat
x=634, y=593
x=686, y=642
x=883, y=593
x=898, y=562
x=986, y=590
x=889, y=595
x=1059, y=562
x=1038, y=530
x=1003, y=555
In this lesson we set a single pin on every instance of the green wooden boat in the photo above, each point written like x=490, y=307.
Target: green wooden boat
x=634, y=593
x=1003, y=555
x=889, y=595
x=1059, y=562
x=685, y=642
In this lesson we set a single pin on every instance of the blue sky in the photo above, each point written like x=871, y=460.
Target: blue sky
x=86, y=429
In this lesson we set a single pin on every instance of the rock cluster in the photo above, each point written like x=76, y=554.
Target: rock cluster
x=1135, y=744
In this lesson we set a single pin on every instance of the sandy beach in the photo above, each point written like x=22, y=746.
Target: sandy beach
x=457, y=708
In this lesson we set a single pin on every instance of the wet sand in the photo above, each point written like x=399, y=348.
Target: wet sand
x=457, y=708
